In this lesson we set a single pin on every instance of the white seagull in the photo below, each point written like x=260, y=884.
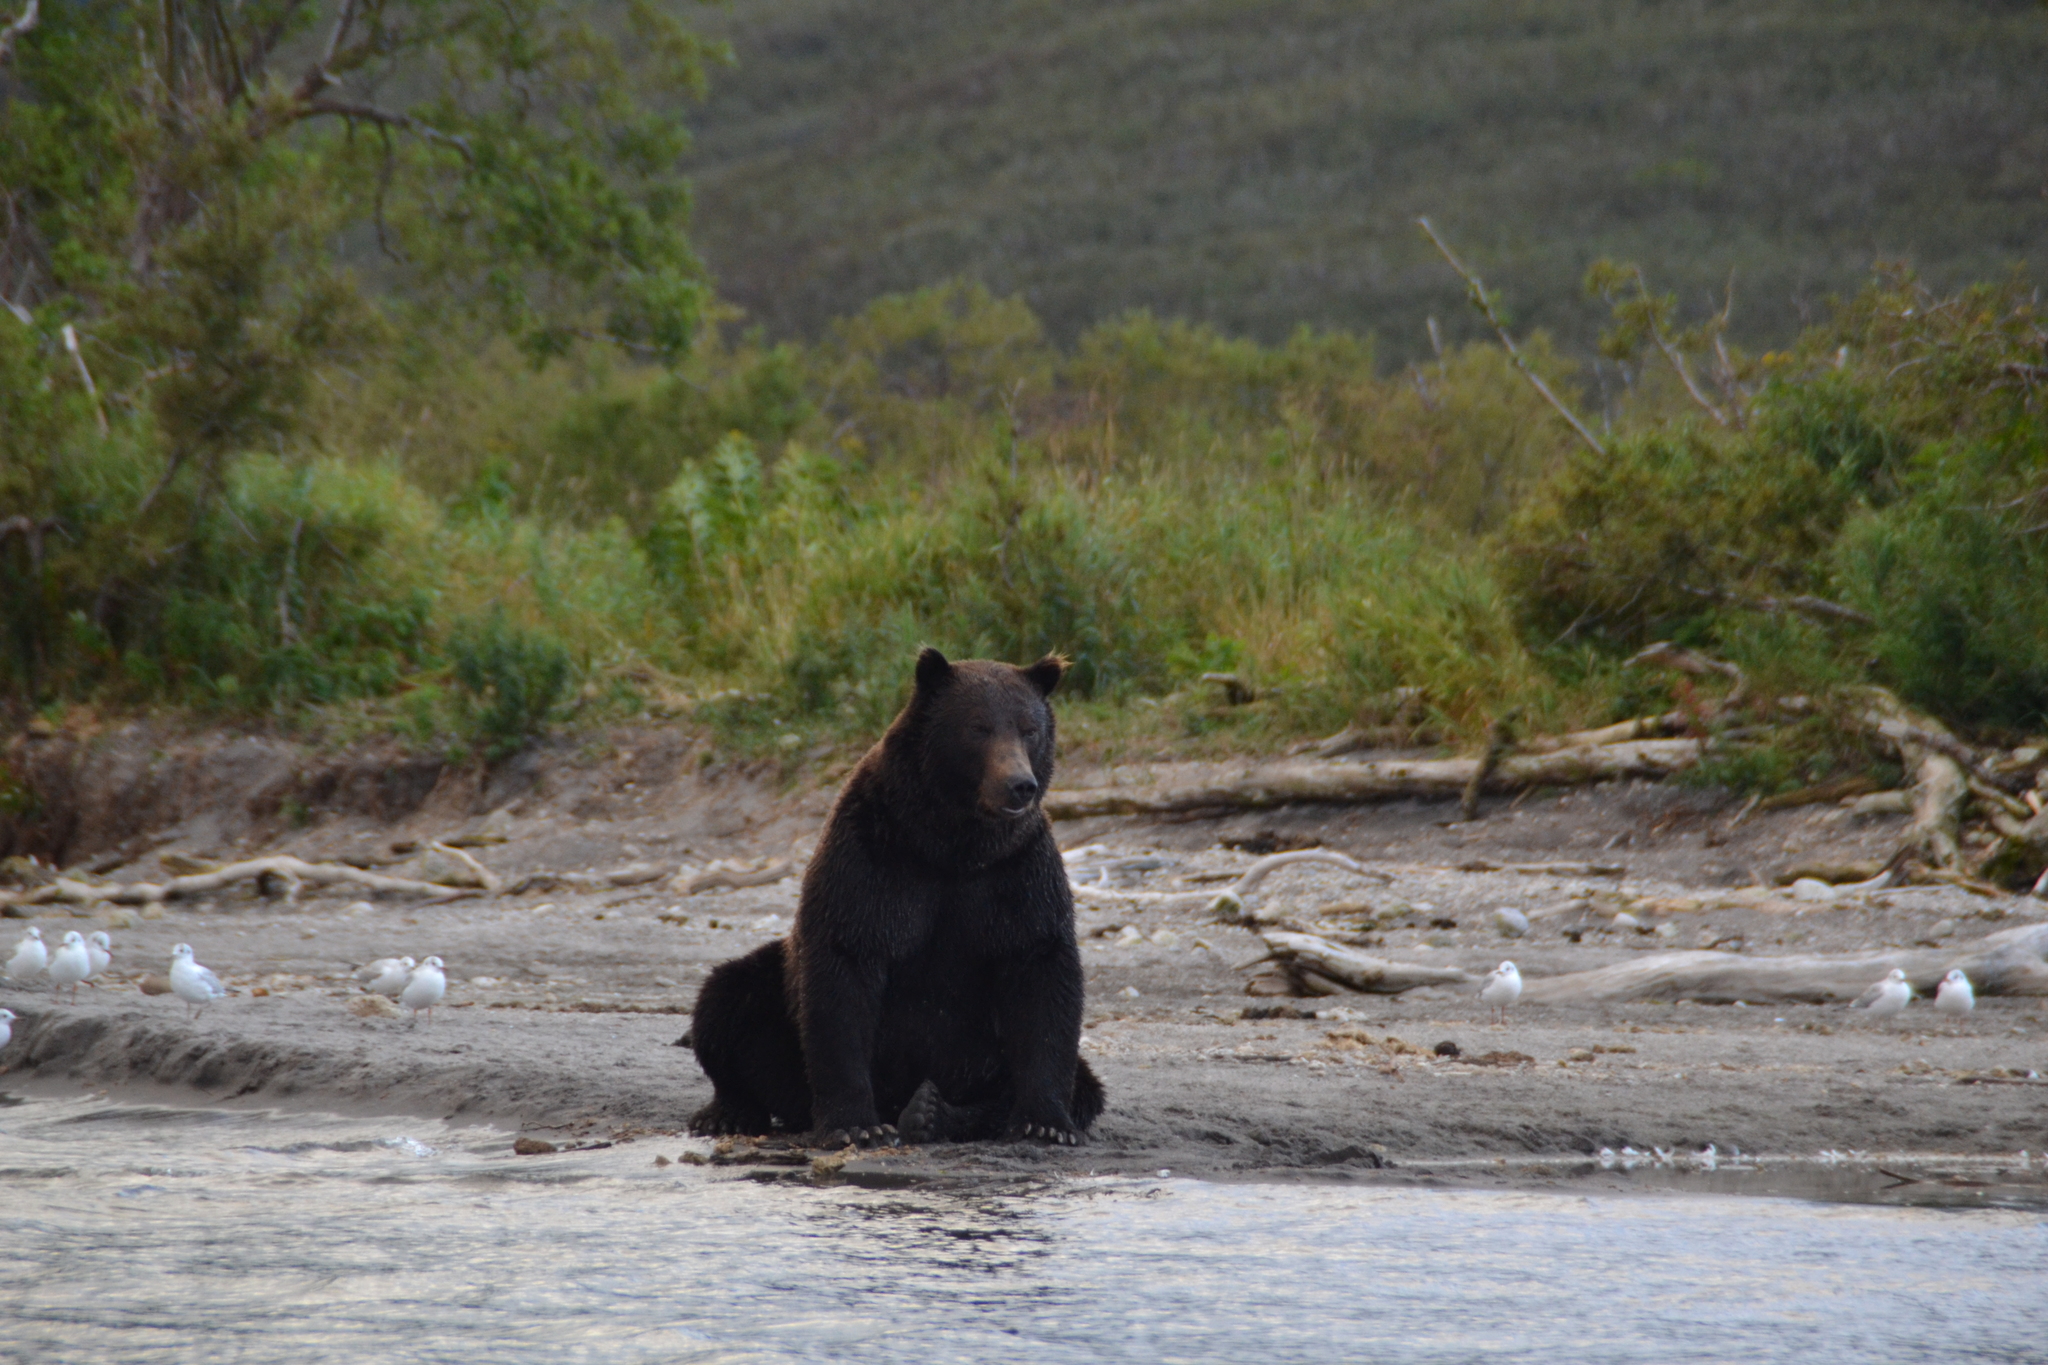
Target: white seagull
x=1954, y=996
x=1887, y=997
x=386, y=976
x=1502, y=989
x=425, y=989
x=192, y=983
x=101, y=949
x=30, y=956
x=70, y=965
x=7, y=1035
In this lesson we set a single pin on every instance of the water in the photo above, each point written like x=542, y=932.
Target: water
x=139, y=1234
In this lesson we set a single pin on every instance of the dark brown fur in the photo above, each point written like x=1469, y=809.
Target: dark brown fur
x=932, y=976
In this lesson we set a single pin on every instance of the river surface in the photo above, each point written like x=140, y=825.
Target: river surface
x=159, y=1234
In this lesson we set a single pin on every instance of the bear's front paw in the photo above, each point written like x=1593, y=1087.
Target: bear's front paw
x=875, y=1135
x=722, y=1119
x=1056, y=1129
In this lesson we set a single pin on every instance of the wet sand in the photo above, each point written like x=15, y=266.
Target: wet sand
x=565, y=1007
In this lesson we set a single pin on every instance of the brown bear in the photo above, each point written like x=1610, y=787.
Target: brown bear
x=930, y=989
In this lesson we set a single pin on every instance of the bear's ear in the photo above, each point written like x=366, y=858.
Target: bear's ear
x=933, y=669
x=1045, y=675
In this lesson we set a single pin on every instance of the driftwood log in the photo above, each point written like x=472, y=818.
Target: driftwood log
x=2009, y=962
x=1287, y=783
x=293, y=872
x=1311, y=961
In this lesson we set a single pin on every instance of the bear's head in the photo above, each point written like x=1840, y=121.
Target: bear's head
x=982, y=734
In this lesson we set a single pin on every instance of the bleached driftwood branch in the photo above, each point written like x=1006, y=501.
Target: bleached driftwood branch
x=294, y=872
x=2005, y=963
x=1287, y=783
x=1300, y=954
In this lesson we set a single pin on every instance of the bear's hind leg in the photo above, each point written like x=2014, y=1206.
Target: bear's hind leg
x=748, y=1045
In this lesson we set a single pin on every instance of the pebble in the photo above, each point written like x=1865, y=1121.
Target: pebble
x=1509, y=922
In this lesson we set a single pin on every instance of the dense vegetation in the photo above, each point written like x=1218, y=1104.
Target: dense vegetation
x=1261, y=166
x=526, y=469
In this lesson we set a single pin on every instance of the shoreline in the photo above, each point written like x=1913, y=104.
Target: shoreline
x=565, y=1003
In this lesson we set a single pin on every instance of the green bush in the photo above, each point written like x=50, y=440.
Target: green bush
x=1959, y=591
x=511, y=680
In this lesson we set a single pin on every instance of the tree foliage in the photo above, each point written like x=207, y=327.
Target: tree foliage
x=207, y=206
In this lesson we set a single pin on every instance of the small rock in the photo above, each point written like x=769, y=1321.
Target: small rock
x=1942, y=928
x=662, y=1161
x=1129, y=992
x=694, y=1159
x=532, y=1146
x=1447, y=1048
x=153, y=984
x=372, y=1007
x=483, y=981
x=259, y=990
x=1812, y=889
x=1166, y=938
x=1625, y=920
x=1509, y=922
x=1131, y=934
x=665, y=983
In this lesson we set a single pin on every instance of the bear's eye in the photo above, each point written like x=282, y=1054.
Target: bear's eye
x=1027, y=732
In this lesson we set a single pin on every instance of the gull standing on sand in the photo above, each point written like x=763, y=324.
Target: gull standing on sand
x=1887, y=997
x=1502, y=989
x=70, y=965
x=30, y=956
x=425, y=989
x=192, y=983
x=386, y=976
x=101, y=949
x=1954, y=996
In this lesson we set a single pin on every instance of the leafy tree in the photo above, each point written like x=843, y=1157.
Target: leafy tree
x=203, y=203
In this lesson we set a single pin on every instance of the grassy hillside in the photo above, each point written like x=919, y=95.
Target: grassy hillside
x=1258, y=166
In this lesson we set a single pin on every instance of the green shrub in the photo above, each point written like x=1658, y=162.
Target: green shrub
x=511, y=680
x=1960, y=595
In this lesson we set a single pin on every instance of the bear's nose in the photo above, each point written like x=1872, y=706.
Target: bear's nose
x=1022, y=789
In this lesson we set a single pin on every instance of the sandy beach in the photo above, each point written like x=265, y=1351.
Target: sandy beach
x=566, y=1002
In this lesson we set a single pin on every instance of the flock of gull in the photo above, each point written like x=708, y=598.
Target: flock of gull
x=80, y=960
x=420, y=986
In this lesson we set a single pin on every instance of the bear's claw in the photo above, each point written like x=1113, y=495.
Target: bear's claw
x=1059, y=1137
x=880, y=1135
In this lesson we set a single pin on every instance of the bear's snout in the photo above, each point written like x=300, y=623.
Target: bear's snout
x=1009, y=785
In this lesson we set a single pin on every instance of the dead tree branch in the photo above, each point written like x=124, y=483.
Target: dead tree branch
x=1484, y=304
x=29, y=14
